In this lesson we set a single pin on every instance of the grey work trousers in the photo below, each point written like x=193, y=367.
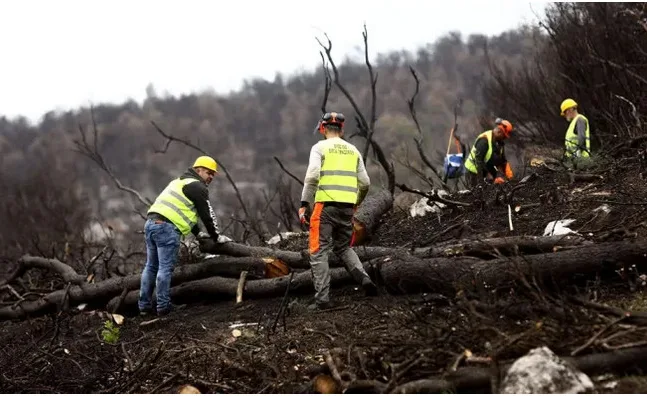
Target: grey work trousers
x=331, y=228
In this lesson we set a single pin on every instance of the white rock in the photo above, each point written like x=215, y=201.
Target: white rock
x=559, y=227
x=421, y=207
x=541, y=371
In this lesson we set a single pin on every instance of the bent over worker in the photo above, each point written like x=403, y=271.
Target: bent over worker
x=336, y=182
x=174, y=214
x=487, y=157
x=577, y=139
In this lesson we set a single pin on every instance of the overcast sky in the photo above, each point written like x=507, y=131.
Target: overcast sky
x=63, y=54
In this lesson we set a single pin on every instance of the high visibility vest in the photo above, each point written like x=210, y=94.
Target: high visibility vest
x=470, y=163
x=175, y=206
x=572, y=139
x=338, y=175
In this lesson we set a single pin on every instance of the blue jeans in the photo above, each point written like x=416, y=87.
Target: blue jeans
x=162, y=245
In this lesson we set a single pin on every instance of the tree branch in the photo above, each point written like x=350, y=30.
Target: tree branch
x=327, y=83
x=287, y=171
x=373, y=82
x=433, y=196
x=84, y=148
x=411, y=103
x=363, y=126
x=171, y=138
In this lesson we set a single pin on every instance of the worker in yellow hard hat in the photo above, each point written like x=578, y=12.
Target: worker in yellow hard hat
x=487, y=158
x=174, y=214
x=578, y=139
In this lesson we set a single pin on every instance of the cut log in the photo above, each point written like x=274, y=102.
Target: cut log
x=369, y=213
x=507, y=246
x=477, y=380
x=484, y=248
x=445, y=275
x=293, y=259
x=105, y=290
x=399, y=274
x=409, y=274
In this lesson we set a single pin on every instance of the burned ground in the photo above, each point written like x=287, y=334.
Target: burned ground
x=369, y=344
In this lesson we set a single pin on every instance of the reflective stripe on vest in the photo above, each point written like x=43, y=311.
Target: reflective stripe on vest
x=470, y=164
x=572, y=139
x=338, y=175
x=175, y=206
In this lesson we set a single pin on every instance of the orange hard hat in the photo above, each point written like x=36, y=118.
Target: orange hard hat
x=331, y=118
x=505, y=126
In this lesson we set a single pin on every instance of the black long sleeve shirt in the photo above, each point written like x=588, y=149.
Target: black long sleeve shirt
x=199, y=195
x=497, y=160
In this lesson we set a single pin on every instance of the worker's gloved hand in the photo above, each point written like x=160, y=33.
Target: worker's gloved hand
x=304, y=213
x=202, y=235
x=508, y=171
x=499, y=180
x=223, y=239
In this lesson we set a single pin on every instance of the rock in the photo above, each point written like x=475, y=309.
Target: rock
x=541, y=371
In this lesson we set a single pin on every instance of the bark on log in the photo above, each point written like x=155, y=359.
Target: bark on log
x=507, y=246
x=477, y=379
x=448, y=275
x=478, y=248
x=409, y=274
x=105, y=290
x=370, y=212
x=28, y=262
x=406, y=274
x=293, y=259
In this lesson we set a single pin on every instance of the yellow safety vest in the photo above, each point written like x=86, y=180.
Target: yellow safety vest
x=175, y=206
x=338, y=175
x=470, y=164
x=572, y=139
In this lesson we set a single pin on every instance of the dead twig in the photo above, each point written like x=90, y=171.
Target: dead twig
x=287, y=171
x=432, y=196
x=596, y=336
x=91, y=151
x=170, y=139
x=365, y=127
x=241, y=287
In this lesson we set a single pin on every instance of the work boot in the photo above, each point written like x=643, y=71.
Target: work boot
x=169, y=309
x=369, y=287
x=146, y=312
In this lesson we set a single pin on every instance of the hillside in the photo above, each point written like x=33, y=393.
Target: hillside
x=470, y=280
x=246, y=129
x=390, y=341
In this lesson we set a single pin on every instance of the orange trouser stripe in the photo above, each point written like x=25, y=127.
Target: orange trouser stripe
x=315, y=221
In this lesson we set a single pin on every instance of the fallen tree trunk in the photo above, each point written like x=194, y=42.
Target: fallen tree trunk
x=105, y=290
x=365, y=221
x=369, y=213
x=477, y=379
x=399, y=274
x=409, y=274
x=484, y=248
x=507, y=246
x=447, y=275
x=299, y=260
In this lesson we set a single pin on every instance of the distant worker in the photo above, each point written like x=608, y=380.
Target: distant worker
x=336, y=182
x=174, y=214
x=487, y=157
x=577, y=140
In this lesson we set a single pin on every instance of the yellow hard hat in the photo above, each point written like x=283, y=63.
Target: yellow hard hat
x=206, y=162
x=567, y=104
